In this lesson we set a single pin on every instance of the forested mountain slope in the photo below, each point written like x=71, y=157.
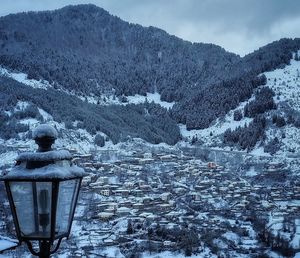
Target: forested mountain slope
x=85, y=51
x=147, y=121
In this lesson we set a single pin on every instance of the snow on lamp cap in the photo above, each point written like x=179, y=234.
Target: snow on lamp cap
x=44, y=130
x=44, y=135
x=45, y=164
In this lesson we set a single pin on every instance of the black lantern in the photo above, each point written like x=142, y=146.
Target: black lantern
x=42, y=191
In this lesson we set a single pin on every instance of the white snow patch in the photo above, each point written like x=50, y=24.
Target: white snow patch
x=232, y=237
x=286, y=84
x=112, y=252
x=251, y=172
x=8, y=158
x=212, y=136
x=259, y=151
x=46, y=116
x=23, y=78
x=168, y=254
x=155, y=97
x=21, y=105
x=29, y=121
x=295, y=243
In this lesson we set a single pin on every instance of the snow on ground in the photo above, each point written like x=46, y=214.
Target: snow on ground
x=155, y=97
x=232, y=237
x=46, y=116
x=290, y=143
x=21, y=105
x=211, y=136
x=111, y=99
x=272, y=254
x=111, y=252
x=23, y=78
x=251, y=172
x=220, y=243
x=295, y=243
x=30, y=121
x=259, y=151
x=275, y=223
x=8, y=158
x=286, y=84
x=168, y=254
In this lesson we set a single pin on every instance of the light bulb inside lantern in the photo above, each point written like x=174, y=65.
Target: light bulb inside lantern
x=44, y=208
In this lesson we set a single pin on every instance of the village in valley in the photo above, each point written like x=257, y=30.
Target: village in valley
x=151, y=202
x=159, y=201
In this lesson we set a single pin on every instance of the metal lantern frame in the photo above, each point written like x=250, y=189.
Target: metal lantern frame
x=37, y=174
x=45, y=242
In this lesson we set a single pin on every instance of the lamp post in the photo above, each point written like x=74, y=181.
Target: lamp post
x=42, y=190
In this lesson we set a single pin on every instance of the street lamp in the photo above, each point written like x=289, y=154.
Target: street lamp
x=42, y=190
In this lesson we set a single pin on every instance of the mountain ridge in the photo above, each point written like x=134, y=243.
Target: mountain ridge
x=87, y=51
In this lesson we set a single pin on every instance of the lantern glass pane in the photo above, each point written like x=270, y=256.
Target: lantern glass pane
x=65, y=205
x=23, y=203
x=33, y=207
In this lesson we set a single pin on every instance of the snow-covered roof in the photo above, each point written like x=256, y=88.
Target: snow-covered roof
x=44, y=130
x=48, y=172
x=7, y=243
x=45, y=156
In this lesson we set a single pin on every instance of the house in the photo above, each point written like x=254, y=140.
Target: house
x=164, y=206
x=105, y=192
x=86, y=180
x=112, y=205
x=167, y=243
x=121, y=192
x=195, y=196
x=212, y=165
x=147, y=155
x=165, y=196
x=123, y=211
x=103, y=180
x=105, y=215
x=138, y=193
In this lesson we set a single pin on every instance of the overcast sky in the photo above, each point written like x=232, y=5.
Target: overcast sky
x=240, y=26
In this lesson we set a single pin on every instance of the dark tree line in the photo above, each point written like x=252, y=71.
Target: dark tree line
x=263, y=102
x=247, y=136
x=9, y=128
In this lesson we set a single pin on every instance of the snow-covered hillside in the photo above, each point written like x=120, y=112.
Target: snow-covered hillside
x=105, y=99
x=23, y=78
x=285, y=82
